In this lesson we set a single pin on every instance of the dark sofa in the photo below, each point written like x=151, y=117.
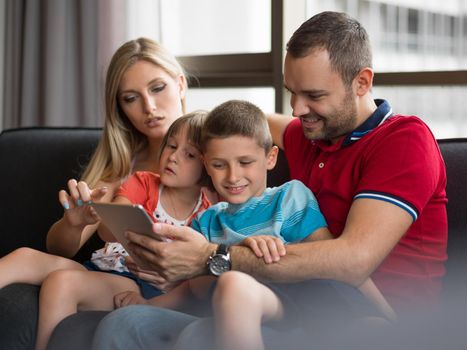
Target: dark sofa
x=37, y=162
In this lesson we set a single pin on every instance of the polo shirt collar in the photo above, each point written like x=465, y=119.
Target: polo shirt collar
x=379, y=116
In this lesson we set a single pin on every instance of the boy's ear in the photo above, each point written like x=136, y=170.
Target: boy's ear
x=272, y=157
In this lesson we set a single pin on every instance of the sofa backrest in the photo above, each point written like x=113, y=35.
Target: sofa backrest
x=36, y=163
x=455, y=157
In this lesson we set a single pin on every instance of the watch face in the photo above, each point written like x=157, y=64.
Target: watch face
x=219, y=264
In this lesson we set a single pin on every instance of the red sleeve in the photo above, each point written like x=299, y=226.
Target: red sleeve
x=405, y=167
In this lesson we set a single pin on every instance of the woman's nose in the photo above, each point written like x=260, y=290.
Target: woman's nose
x=149, y=105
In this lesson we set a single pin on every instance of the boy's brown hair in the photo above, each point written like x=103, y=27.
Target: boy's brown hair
x=237, y=118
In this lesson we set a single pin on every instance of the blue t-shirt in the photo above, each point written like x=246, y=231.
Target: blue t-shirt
x=290, y=212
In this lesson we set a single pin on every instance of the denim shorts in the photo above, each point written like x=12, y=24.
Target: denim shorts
x=147, y=290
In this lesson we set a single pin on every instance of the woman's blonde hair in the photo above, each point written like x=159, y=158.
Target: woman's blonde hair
x=120, y=140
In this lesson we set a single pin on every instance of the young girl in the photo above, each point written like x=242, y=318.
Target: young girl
x=175, y=197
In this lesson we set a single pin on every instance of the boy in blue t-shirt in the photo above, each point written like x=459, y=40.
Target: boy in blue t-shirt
x=238, y=151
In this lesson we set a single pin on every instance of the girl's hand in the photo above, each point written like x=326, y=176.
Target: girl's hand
x=128, y=298
x=76, y=202
x=269, y=248
x=151, y=277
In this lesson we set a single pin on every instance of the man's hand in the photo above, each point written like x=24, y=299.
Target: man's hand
x=176, y=253
x=269, y=248
x=149, y=276
x=128, y=298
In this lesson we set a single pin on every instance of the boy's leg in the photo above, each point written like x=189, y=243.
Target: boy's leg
x=240, y=305
x=65, y=292
x=26, y=265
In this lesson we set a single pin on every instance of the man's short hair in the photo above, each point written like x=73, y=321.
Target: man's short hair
x=237, y=118
x=343, y=37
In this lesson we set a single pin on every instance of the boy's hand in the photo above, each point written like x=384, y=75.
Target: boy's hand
x=76, y=203
x=269, y=248
x=128, y=298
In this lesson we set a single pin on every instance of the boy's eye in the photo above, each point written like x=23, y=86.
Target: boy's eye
x=246, y=162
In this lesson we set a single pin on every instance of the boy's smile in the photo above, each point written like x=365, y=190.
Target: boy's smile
x=238, y=167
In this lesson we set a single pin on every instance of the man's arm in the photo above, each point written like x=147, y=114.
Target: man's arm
x=372, y=230
x=277, y=125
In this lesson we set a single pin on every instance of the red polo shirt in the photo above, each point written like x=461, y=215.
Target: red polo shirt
x=393, y=158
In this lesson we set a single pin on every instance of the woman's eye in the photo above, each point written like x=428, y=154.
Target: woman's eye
x=158, y=88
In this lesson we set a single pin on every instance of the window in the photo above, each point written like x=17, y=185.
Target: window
x=228, y=49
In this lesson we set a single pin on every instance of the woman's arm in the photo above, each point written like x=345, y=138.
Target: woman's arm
x=78, y=224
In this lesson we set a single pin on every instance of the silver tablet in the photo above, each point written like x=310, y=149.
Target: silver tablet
x=120, y=218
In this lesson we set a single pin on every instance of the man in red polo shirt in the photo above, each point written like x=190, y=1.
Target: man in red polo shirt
x=378, y=176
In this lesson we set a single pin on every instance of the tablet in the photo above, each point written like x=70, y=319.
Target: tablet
x=120, y=218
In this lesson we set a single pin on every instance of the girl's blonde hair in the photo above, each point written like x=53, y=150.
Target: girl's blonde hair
x=194, y=123
x=120, y=140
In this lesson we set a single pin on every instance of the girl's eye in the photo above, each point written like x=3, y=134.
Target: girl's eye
x=171, y=146
x=217, y=165
x=129, y=98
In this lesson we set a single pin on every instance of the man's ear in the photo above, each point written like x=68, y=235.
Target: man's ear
x=364, y=81
x=272, y=157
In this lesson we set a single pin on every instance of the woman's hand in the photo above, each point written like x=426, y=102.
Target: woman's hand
x=76, y=202
x=149, y=276
x=176, y=253
x=128, y=298
x=270, y=248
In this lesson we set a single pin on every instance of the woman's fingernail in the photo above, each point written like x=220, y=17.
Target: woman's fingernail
x=66, y=205
x=79, y=202
x=157, y=226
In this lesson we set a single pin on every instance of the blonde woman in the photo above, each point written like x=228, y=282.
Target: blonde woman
x=144, y=93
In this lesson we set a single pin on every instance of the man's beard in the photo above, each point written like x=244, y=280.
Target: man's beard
x=341, y=121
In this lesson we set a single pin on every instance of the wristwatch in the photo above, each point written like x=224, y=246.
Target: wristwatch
x=219, y=262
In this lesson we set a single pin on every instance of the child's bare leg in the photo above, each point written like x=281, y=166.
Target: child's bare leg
x=240, y=305
x=369, y=289
x=26, y=265
x=66, y=292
